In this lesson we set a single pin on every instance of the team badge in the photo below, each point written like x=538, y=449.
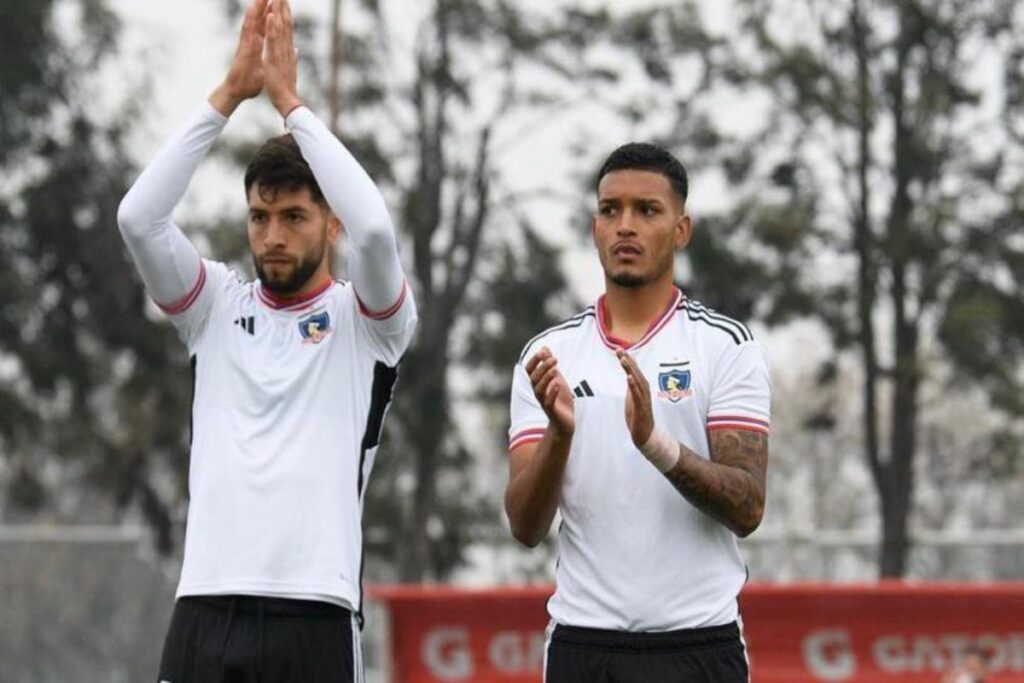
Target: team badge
x=675, y=384
x=314, y=328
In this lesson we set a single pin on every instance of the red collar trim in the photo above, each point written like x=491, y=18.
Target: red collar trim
x=613, y=342
x=289, y=303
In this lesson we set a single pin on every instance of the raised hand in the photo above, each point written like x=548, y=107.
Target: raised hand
x=639, y=414
x=281, y=61
x=245, y=78
x=552, y=391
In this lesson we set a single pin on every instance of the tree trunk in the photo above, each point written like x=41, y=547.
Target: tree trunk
x=864, y=244
x=429, y=371
x=897, y=487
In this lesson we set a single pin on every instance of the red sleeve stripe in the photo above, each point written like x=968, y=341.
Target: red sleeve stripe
x=526, y=436
x=737, y=418
x=738, y=422
x=182, y=304
x=738, y=425
x=387, y=312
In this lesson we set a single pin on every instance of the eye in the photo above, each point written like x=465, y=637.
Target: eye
x=257, y=218
x=648, y=209
x=606, y=210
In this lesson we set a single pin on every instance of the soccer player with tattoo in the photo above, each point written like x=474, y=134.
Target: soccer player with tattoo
x=293, y=373
x=644, y=421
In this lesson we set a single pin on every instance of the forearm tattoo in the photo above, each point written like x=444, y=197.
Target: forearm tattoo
x=731, y=486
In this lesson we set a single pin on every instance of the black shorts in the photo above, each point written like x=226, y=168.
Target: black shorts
x=702, y=655
x=238, y=639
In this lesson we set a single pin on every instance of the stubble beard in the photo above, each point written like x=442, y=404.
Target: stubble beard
x=301, y=272
x=630, y=280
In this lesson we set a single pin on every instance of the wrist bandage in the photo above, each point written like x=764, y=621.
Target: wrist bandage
x=661, y=450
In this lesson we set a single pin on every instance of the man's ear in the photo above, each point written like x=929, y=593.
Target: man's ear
x=684, y=230
x=334, y=229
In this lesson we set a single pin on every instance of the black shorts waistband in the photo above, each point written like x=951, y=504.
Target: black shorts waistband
x=277, y=607
x=660, y=640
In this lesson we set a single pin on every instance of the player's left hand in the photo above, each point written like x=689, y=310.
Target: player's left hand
x=280, y=60
x=639, y=414
x=245, y=77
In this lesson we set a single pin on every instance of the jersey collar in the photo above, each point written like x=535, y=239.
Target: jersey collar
x=291, y=303
x=613, y=342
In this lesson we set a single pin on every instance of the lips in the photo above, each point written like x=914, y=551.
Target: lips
x=276, y=261
x=626, y=249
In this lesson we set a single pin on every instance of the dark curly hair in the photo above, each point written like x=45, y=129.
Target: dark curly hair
x=279, y=165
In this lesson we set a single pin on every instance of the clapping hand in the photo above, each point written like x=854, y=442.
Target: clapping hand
x=246, y=75
x=552, y=391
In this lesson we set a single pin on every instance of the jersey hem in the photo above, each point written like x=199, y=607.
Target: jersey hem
x=184, y=303
x=752, y=424
x=306, y=591
x=388, y=312
x=529, y=435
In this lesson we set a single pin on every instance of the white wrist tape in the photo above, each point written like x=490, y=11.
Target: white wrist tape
x=661, y=450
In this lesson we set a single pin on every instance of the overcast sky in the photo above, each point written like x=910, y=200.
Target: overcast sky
x=187, y=45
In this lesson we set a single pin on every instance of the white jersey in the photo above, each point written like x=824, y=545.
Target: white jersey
x=288, y=406
x=634, y=554
x=289, y=395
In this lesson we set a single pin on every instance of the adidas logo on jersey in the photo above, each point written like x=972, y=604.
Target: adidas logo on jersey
x=583, y=389
x=247, y=323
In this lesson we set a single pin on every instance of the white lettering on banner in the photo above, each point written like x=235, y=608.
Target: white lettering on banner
x=934, y=654
x=446, y=653
x=829, y=656
x=895, y=655
x=517, y=652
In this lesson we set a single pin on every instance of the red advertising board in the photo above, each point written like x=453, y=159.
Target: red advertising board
x=801, y=633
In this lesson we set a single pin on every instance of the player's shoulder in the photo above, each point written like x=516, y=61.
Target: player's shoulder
x=713, y=325
x=560, y=332
x=223, y=277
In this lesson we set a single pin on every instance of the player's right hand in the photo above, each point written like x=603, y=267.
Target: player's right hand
x=552, y=391
x=246, y=75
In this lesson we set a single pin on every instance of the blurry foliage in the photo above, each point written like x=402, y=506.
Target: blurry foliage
x=95, y=394
x=862, y=200
x=860, y=197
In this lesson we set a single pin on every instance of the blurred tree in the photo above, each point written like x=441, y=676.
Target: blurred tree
x=94, y=394
x=876, y=184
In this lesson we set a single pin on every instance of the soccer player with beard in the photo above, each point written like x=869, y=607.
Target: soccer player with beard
x=643, y=421
x=293, y=373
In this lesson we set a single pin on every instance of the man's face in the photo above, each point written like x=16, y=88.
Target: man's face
x=289, y=234
x=639, y=224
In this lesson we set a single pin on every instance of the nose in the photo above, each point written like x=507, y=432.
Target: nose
x=626, y=227
x=274, y=235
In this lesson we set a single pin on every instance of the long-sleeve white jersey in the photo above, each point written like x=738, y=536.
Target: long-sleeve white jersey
x=290, y=394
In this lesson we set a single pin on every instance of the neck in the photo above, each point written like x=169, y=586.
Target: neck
x=630, y=311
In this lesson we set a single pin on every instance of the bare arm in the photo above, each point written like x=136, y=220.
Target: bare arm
x=536, y=469
x=730, y=487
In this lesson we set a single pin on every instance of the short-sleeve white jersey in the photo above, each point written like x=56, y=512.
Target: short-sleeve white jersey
x=288, y=405
x=634, y=554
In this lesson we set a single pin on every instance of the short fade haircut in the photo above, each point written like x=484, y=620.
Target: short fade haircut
x=279, y=165
x=642, y=156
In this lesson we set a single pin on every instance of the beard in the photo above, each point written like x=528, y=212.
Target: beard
x=634, y=280
x=302, y=269
x=629, y=280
